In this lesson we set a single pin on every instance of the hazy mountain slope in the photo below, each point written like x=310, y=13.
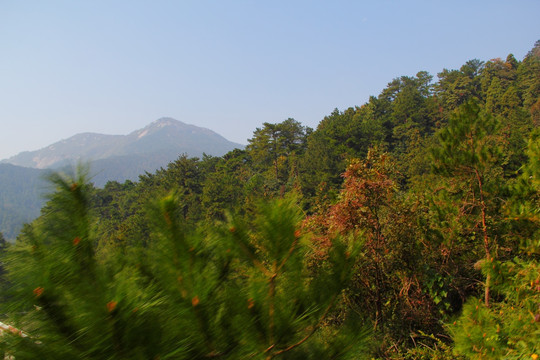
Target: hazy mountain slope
x=111, y=157
x=86, y=145
x=167, y=134
x=128, y=167
x=165, y=137
x=21, y=197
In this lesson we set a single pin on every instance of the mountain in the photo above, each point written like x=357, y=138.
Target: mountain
x=164, y=139
x=111, y=157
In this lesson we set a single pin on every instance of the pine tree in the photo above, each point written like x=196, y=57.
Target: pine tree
x=274, y=150
x=236, y=290
x=509, y=328
x=466, y=160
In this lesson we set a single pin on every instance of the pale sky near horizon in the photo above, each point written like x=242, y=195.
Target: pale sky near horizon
x=112, y=67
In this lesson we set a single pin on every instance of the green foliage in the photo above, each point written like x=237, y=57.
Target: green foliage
x=3, y=249
x=465, y=146
x=509, y=328
x=467, y=161
x=426, y=347
x=455, y=87
x=225, y=187
x=274, y=150
x=387, y=282
x=2, y=241
x=241, y=289
x=115, y=277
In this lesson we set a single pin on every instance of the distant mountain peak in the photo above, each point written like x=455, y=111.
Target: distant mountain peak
x=166, y=121
x=165, y=138
x=157, y=125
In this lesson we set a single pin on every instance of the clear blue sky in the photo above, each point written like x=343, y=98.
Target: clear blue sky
x=114, y=66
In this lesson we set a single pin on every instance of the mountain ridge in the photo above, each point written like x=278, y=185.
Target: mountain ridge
x=110, y=157
x=164, y=134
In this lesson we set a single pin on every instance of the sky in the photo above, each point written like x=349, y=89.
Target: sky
x=112, y=67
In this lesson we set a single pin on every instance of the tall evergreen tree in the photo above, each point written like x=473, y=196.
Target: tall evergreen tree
x=467, y=158
x=275, y=148
x=509, y=328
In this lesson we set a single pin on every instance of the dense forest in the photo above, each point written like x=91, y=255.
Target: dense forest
x=405, y=228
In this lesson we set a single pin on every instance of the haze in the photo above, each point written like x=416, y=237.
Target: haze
x=113, y=67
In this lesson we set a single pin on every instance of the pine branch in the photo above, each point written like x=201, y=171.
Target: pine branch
x=305, y=338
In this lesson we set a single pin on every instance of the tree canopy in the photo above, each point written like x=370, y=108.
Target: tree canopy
x=403, y=228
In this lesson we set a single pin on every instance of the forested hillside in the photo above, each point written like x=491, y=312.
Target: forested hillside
x=21, y=197
x=112, y=157
x=404, y=228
